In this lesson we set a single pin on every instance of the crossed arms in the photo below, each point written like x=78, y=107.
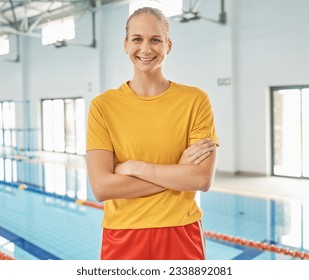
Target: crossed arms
x=131, y=179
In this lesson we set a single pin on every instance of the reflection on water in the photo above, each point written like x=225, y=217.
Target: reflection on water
x=283, y=222
x=37, y=226
x=49, y=177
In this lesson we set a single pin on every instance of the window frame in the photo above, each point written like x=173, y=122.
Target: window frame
x=64, y=118
x=274, y=89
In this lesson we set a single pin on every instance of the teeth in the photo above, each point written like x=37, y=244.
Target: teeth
x=146, y=58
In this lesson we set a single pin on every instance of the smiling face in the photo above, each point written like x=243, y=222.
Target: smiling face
x=147, y=43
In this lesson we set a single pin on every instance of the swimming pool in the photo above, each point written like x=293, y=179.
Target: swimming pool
x=40, y=225
x=37, y=226
x=282, y=222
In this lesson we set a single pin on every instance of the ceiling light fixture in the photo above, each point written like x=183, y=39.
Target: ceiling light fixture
x=168, y=7
x=58, y=31
x=4, y=45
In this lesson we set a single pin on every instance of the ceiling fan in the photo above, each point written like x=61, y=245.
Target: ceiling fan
x=193, y=14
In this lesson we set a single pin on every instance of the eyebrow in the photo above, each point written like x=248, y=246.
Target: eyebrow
x=138, y=35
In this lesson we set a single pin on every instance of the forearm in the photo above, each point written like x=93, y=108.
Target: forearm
x=179, y=177
x=106, y=184
x=115, y=186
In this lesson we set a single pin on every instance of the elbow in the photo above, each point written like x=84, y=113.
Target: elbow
x=204, y=183
x=99, y=192
x=99, y=197
x=204, y=186
x=204, y=179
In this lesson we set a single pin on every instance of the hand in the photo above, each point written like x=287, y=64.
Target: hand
x=125, y=168
x=197, y=152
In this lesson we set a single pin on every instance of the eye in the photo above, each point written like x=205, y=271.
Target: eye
x=137, y=39
x=155, y=40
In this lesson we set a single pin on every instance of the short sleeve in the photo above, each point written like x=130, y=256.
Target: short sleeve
x=98, y=137
x=203, y=126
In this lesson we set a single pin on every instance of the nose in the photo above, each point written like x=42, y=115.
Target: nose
x=145, y=48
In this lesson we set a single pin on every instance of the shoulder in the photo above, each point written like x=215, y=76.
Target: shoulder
x=108, y=96
x=190, y=91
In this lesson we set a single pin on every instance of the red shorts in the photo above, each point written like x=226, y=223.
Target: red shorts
x=169, y=243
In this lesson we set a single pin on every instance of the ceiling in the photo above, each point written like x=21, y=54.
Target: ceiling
x=24, y=17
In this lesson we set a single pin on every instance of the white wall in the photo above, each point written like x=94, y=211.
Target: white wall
x=264, y=43
x=49, y=72
x=8, y=89
x=115, y=67
x=272, y=50
x=11, y=74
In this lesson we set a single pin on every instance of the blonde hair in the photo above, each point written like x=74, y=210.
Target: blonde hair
x=150, y=11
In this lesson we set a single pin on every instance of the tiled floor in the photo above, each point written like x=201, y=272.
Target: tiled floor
x=262, y=186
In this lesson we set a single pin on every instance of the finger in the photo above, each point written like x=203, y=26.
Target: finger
x=197, y=155
x=193, y=157
x=191, y=150
x=209, y=148
x=201, y=158
x=208, y=144
x=199, y=151
x=199, y=146
x=203, y=151
x=202, y=141
x=206, y=148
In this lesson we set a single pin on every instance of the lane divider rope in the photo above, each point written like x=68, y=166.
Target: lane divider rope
x=5, y=257
x=90, y=204
x=77, y=201
x=257, y=245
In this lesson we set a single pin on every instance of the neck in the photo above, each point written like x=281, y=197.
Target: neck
x=149, y=84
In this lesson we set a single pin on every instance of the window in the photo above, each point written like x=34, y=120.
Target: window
x=168, y=7
x=7, y=124
x=64, y=125
x=15, y=132
x=290, y=131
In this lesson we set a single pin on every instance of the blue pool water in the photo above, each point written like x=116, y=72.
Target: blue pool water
x=36, y=226
x=39, y=226
x=282, y=222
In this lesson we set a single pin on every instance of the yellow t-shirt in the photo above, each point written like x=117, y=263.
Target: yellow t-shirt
x=151, y=129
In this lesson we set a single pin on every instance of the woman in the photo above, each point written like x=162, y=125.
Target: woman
x=150, y=147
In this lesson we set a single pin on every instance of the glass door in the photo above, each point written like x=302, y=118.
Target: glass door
x=305, y=131
x=290, y=131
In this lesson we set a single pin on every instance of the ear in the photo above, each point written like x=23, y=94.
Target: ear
x=125, y=43
x=169, y=44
